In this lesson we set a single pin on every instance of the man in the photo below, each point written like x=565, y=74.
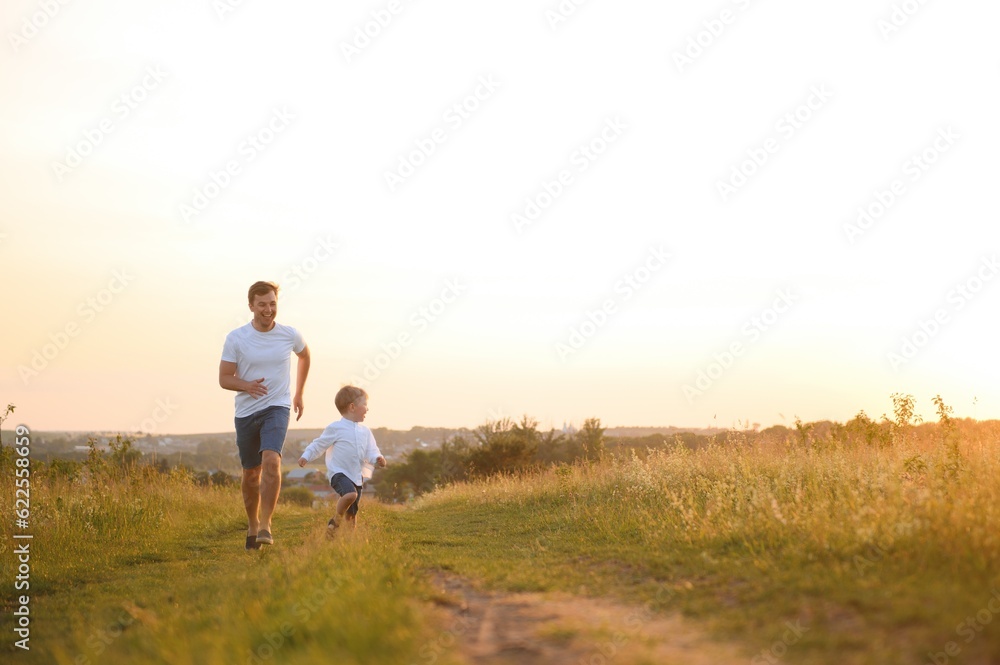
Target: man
x=256, y=363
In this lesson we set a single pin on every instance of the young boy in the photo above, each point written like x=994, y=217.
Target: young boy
x=349, y=445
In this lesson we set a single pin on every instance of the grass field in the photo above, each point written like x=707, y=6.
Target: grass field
x=883, y=555
x=808, y=550
x=153, y=571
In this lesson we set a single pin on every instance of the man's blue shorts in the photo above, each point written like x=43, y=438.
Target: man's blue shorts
x=264, y=430
x=342, y=485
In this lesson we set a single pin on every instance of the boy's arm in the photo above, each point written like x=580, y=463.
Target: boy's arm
x=374, y=454
x=317, y=447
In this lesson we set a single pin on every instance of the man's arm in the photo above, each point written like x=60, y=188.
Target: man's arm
x=229, y=381
x=300, y=380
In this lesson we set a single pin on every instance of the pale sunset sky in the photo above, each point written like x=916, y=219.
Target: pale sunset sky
x=641, y=211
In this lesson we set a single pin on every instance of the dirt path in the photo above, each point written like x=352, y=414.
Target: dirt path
x=557, y=629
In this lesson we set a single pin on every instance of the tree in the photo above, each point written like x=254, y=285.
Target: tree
x=504, y=446
x=555, y=447
x=591, y=437
x=123, y=453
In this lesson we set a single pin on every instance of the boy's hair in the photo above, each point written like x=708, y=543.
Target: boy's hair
x=346, y=396
x=261, y=289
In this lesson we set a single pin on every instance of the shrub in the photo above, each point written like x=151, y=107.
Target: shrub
x=300, y=496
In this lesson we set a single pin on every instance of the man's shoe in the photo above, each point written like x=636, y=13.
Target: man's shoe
x=264, y=538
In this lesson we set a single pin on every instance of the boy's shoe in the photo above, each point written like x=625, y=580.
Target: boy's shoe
x=252, y=543
x=264, y=538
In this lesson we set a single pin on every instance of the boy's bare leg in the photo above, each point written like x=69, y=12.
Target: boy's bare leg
x=344, y=503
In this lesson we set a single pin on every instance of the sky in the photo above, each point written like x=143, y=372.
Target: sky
x=712, y=213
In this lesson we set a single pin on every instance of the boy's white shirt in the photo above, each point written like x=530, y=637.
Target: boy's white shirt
x=348, y=446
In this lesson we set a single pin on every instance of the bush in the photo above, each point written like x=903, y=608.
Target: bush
x=300, y=496
x=498, y=447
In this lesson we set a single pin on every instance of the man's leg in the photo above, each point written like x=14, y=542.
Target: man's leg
x=270, y=487
x=273, y=428
x=251, y=498
x=248, y=444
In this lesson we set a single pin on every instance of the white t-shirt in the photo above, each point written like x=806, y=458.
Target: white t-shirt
x=263, y=354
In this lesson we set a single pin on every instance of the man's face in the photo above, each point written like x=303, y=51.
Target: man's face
x=265, y=309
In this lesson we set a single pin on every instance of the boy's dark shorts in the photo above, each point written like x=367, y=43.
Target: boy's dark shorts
x=264, y=430
x=342, y=485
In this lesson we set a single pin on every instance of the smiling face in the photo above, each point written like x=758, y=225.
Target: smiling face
x=357, y=410
x=265, y=309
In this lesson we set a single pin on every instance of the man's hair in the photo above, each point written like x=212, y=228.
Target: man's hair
x=261, y=289
x=346, y=396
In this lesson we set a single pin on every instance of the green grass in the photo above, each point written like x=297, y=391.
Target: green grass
x=176, y=585
x=879, y=563
x=880, y=552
